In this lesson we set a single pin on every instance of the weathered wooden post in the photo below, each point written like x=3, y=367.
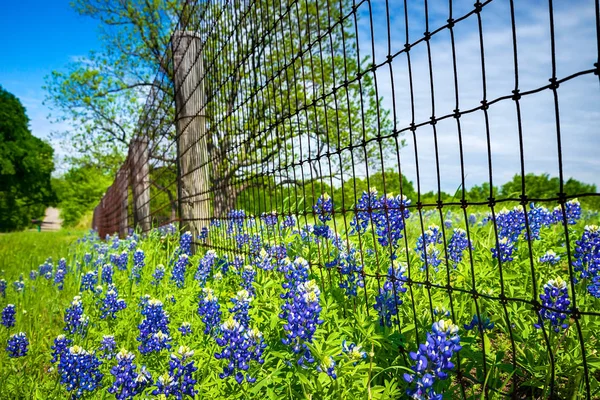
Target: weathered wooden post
x=192, y=155
x=140, y=182
x=122, y=188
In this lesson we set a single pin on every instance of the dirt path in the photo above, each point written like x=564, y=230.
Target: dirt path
x=52, y=221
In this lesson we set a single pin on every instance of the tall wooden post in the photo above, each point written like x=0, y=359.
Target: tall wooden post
x=192, y=155
x=140, y=182
x=122, y=188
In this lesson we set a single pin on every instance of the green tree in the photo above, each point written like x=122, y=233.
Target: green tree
x=80, y=190
x=263, y=99
x=26, y=164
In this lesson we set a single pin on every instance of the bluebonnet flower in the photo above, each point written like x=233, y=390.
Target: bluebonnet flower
x=205, y=267
x=555, y=297
x=108, y=346
x=79, y=370
x=33, y=274
x=537, y=217
x=328, y=366
x=353, y=352
x=248, y=275
x=185, y=243
x=210, y=310
x=550, y=257
x=572, y=210
x=76, y=321
x=241, y=307
x=301, y=310
x=17, y=345
x=288, y=222
x=128, y=382
x=178, y=274
x=215, y=222
x=171, y=298
x=472, y=219
x=322, y=231
x=388, y=300
x=235, y=221
x=87, y=257
x=46, y=269
x=240, y=347
x=8, y=316
x=115, y=242
x=61, y=345
x=112, y=303
x=441, y=312
x=457, y=245
x=510, y=223
x=269, y=219
x=324, y=208
x=138, y=264
x=107, y=274
x=367, y=205
x=483, y=324
x=88, y=281
x=433, y=360
x=19, y=285
x=154, y=329
x=203, y=235
x=59, y=278
x=132, y=245
x=426, y=247
x=350, y=269
x=263, y=260
x=594, y=287
x=120, y=261
x=448, y=223
x=3, y=288
x=587, y=257
x=505, y=249
x=178, y=382
x=185, y=328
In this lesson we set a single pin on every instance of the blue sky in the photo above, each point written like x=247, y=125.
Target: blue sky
x=37, y=37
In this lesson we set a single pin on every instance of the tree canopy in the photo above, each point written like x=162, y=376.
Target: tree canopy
x=26, y=165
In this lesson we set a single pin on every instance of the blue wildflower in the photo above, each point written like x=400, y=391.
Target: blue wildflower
x=210, y=310
x=112, y=303
x=205, y=267
x=353, y=352
x=59, y=278
x=88, y=281
x=79, y=370
x=426, y=247
x=587, y=257
x=185, y=328
x=185, y=243
x=178, y=382
x=328, y=366
x=108, y=346
x=483, y=324
x=138, y=264
x=33, y=274
x=154, y=329
x=248, y=275
x=107, y=274
x=178, y=274
x=241, y=307
x=76, y=321
x=555, y=297
x=158, y=275
x=8, y=316
x=61, y=345
x=19, y=285
x=324, y=208
x=288, y=222
x=17, y=345
x=388, y=300
x=433, y=360
x=128, y=382
x=269, y=219
x=504, y=250
x=457, y=245
x=550, y=257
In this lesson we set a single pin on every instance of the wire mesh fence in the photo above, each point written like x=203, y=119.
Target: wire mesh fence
x=331, y=130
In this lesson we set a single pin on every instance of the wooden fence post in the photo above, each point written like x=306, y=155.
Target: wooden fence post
x=140, y=182
x=122, y=188
x=192, y=155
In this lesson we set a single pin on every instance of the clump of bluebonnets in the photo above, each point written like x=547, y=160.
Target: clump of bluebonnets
x=17, y=345
x=154, y=330
x=388, y=300
x=555, y=297
x=8, y=316
x=178, y=382
x=79, y=371
x=76, y=321
x=61, y=345
x=210, y=310
x=128, y=381
x=587, y=258
x=433, y=360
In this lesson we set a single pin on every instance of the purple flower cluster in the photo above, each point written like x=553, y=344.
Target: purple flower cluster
x=178, y=273
x=185, y=329
x=482, y=324
x=111, y=303
x=235, y=221
x=555, y=297
x=324, y=208
x=248, y=275
x=3, y=288
x=185, y=243
x=210, y=310
x=388, y=300
x=301, y=310
x=572, y=211
x=107, y=274
x=504, y=250
x=59, y=277
x=17, y=345
x=550, y=257
x=353, y=352
x=154, y=329
x=61, y=345
x=426, y=249
x=457, y=245
x=205, y=267
x=79, y=371
x=328, y=366
x=46, y=269
x=178, y=382
x=158, y=275
x=433, y=360
x=269, y=219
x=587, y=258
x=89, y=280
x=351, y=270
x=240, y=346
x=241, y=307
x=8, y=316
x=76, y=321
x=138, y=264
x=108, y=346
x=128, y=382
x=288, y=222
